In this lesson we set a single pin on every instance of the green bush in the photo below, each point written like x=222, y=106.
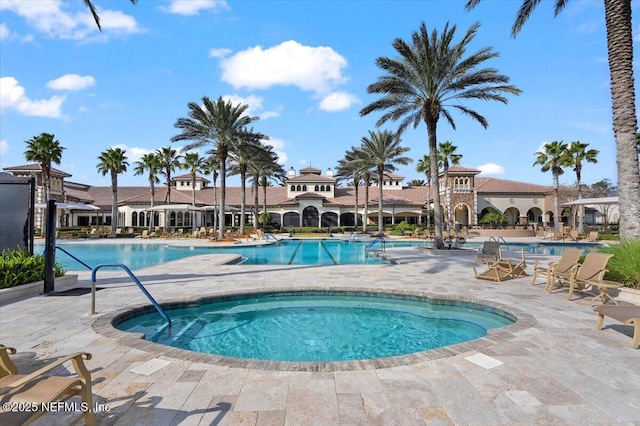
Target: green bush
x=18, y=267
x=624, y=266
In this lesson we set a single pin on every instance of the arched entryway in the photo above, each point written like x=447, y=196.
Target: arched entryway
x=329, y=219
x=347, y=219
x=513, y=215
x=291, y=219
x=534, y=215
x=461, y=215
x=310, y=217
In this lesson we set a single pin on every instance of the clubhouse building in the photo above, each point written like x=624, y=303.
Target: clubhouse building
x=308, y=198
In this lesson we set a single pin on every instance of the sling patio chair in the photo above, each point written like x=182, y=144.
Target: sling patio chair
x=628, y=315
x=489, y=250
x=39, y=388
x=503, y=269
x=569, y=259
x=592, y=269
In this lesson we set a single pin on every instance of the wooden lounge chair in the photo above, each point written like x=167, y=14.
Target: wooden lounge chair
x=38, y=388
x=145, y=234
x=568, y=260
x=629, y=315
x=592, y=238
x=490, y=250
x=592, y=269
x=503, y=269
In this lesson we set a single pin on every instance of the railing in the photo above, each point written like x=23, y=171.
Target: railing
x=497, y=240
x=268, y=235
x=354, y=236
x=135, y=280
x=380, y=240
x=73, y=257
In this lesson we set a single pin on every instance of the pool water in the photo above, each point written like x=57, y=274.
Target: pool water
x=316, y=327
x=287, y=252
x=551, y=249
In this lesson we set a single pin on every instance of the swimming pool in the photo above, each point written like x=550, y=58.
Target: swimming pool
x=317, y=326
x=286, y=252
x=548, y=248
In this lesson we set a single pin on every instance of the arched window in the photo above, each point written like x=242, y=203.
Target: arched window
x=322, y=188
x=316, y=188
x=134, y=219
x=304, y=187
x=298, y=188
x=140, y=219
x=293, y=187
x=328, y=188
x=180, y=219
x=172, y=219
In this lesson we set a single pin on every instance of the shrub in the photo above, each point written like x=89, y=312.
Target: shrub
x=624, y=266
x=18, y=267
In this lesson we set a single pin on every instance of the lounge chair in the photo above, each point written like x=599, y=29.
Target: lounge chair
x=94, y=233
x=489, y=250
x=568, y=260
x=574, y=235
x=629, y=315
x=145, y=234
x=503, y=268
x=592, y=269
x=592, y=238
x=38, y=388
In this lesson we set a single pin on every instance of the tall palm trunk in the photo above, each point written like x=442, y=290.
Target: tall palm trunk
x=222, y=163
x=620, y=48
x=437, y=210
x=264, y=197
x=447, y=197
x=356, y=185
x=365, y=210
x=243, y=199
x=556, y=216
x=380, y=195
x=429, y=201
x=580, y=206
x=153, y=196
x=114, y=202
x=254, y=189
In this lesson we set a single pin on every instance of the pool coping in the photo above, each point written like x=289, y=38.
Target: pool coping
x=104, y=326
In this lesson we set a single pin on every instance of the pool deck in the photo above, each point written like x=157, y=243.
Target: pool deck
x=555, y=368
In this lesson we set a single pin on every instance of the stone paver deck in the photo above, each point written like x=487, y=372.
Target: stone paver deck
x=554, y=368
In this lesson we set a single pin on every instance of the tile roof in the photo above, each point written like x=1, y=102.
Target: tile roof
x=460, y=169
x=489, y=185
x=36, y=167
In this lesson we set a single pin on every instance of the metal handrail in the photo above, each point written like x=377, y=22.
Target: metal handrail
x=500, y=238
x=374, y=242
x=268, y=235
x=135, y=279
x=74, y=258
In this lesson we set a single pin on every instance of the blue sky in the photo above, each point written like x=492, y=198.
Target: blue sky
x=302, y=66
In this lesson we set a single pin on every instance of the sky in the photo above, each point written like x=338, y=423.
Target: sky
x=303, y=67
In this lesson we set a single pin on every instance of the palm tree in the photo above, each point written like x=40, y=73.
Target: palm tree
x=271, y=171
x=149, y=162
x=383, y=150
x=576, y=154
x=212, y=167
x=446, y=153
x=44, y=149
x=114, y=162
x=92, y=8
x=195, y=164
x=218, y=123
x=416, y=182
x=248, y=147
x=348, y=168
x=424, y=166
x=625, y=124
x=265, y=158
x=553, y=157
x=364, y=166
x=422, y=85
x=169, y=160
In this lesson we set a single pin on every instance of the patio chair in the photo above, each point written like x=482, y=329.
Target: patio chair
x=145, y=234
x=38, y=388
x=569, y=259
x=503, y=268
x=489, y=250
x=629, y=315
x=592, y=238
x=592, y=269
x=574, y=235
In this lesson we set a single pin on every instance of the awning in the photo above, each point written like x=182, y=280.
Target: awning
x=69, y=206
x=226, y=208
x=173, y=208
x=591, y=202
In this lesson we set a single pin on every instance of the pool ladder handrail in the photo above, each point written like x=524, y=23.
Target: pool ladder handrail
x=380, y=240
x=268, y=235
x=354, y=236
x=73, y=257
x=497, y=240
x=155, y=304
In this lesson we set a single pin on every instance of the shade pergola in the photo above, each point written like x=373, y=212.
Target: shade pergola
x=175, y=208
x=591, y=201
x=69, y=206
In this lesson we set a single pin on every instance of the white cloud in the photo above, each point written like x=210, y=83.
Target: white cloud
x=134, y=154
x=71, y=82
x=338, y=101
x=4, y=32
x=12, y=96
x=315, y=69
x=48, y=17
x=255, y=105
x=491, y=169
x=220, y=52
x=4, y=146
x=193, y=7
